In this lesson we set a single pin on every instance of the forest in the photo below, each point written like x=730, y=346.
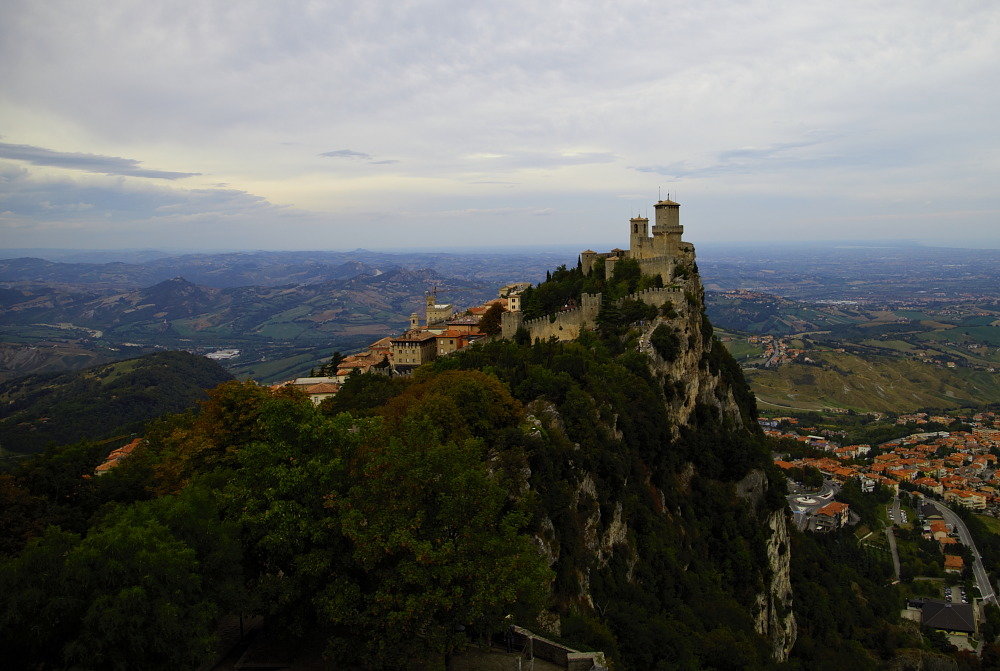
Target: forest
x=404, y=519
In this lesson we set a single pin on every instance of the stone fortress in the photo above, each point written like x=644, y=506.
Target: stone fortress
x=663, y=254
x=444, y=332
x=657, y=255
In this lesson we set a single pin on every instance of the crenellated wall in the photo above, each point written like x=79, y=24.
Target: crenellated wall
x=566, y=325
x=660, y=265
x=660, y=295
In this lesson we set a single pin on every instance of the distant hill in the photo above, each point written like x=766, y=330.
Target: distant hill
x=215, y=270
x=272, y=269
x=101, y=401
x=881, y=384
x=17, y=360
x=369, y=305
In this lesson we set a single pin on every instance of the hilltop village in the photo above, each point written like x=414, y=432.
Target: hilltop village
x=658, y=251
x=443, y=331
x=959, y=466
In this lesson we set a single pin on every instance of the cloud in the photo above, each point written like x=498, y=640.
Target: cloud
x=112, y=211
x=537, y=159
x=346, y=153
x=357, y=155
x=746, y=160
x=575, y=102
x=107, y=165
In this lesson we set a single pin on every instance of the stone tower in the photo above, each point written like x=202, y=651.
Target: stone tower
x=639, y=246
x=667, y=230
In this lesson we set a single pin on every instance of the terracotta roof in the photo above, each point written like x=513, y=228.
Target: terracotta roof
x=452, y=334
x=833, y=508
x=322, y=388
x=951, y=561
x=414, y=337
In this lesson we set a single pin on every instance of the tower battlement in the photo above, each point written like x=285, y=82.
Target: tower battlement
x=657, y=254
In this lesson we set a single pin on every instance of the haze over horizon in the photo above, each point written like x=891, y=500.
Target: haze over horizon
x=440, y=124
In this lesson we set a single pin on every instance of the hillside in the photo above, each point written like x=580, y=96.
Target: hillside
x=880, y=384
x=48, y=357
x=280, y=331
x=621, y=498
x=611, y=492
x=101, y=401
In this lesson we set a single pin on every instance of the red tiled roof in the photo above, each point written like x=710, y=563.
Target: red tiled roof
x=833, y=508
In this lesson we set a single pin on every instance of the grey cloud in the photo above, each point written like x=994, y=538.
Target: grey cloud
x=760, y=153
x=35, y=209
x=749, y=160
x=346, y=153
x=539, y=159
x=360, y=155
x=106, y=165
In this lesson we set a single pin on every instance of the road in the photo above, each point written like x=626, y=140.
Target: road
x=982, y=577
x=894, y=519
x=891, y=537
x=804, y=503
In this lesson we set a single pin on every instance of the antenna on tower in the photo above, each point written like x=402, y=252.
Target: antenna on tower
x=659, y=193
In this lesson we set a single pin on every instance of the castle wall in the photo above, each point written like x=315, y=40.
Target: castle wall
x=661, y=265
x=660, y=295
x=566, y=325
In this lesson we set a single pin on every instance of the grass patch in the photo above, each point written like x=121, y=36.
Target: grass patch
x=991, y=523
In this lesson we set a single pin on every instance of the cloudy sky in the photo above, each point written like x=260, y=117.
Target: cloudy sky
x=333, y=125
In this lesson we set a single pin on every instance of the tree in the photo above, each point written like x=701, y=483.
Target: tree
x=129, y=595
x=490, y=321
x=666, y=342
x=440, y=547
x=361, y=393
x=330, y=367
x=386, y=540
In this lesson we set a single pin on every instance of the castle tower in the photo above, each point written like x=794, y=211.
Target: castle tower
x=639, y=242
x=587, y=258
x=667, y=230
x=435, y=312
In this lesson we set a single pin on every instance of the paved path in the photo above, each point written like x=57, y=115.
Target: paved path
x=894, y=515
x=891, y=537
x=982, y=577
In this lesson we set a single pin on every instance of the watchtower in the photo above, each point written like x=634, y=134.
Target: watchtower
x=667, y=230
x=639, y=238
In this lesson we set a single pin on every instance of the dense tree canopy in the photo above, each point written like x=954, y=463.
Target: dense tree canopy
x=386, y=535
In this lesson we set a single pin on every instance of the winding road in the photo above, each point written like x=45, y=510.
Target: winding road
x=982, y=577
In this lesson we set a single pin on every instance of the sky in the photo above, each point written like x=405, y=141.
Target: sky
x=336, y=125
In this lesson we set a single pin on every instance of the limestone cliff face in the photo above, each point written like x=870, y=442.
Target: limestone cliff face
x=695, y=390
x=774, y=617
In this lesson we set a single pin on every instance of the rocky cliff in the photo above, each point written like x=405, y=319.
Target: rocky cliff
x=657, y=492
